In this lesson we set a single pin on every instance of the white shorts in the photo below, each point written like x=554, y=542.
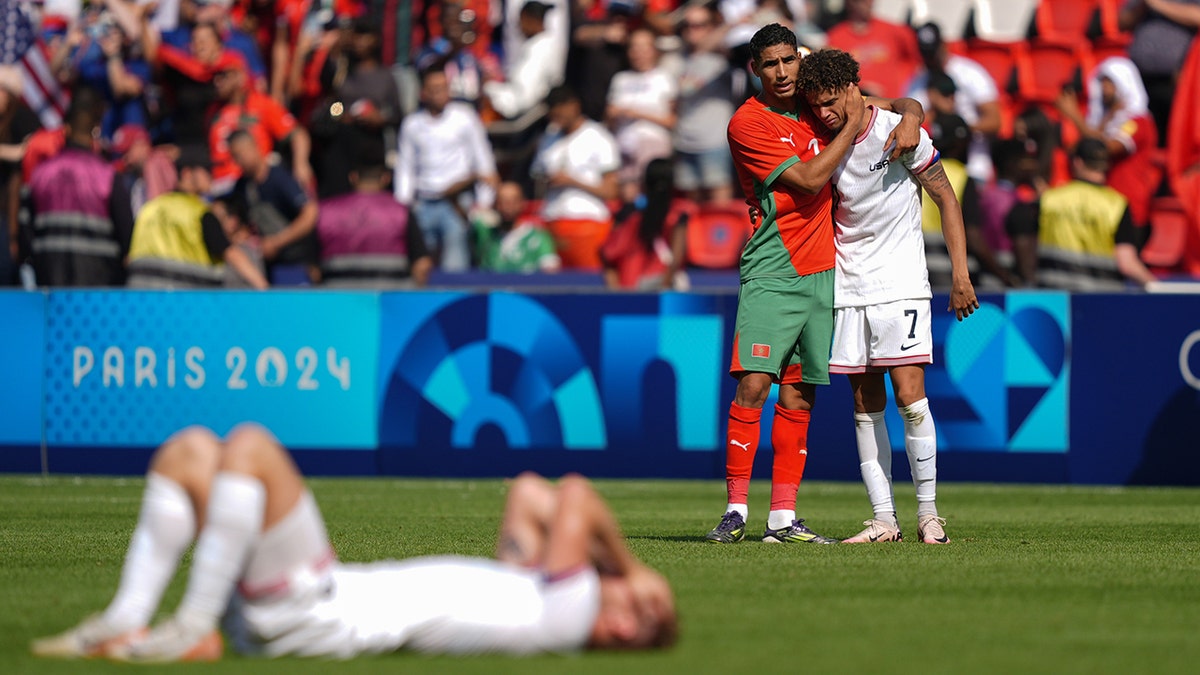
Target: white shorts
x=874, y=338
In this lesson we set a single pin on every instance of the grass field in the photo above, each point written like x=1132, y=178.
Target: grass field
x=1037, y=580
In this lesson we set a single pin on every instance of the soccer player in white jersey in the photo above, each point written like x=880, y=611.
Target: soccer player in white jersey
x=881, y=291
x=563, y=578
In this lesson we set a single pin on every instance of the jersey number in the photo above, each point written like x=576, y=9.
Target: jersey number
x=814, y=146
x=912, y=331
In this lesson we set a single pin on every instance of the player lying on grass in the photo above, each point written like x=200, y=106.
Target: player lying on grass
x=881, y=289
x=563, y=578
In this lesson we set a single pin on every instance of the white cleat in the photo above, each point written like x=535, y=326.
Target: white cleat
x=93, y=638
x=876, y=531
x=930, y=530
x=172, y=641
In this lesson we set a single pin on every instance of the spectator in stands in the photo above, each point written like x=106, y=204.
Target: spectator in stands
x=146, y=171
x=97, y=54
x=886, y=52
x=234, y=215
x=465, y=70
x=367, y=238
x=364, y=109
x=444, y=166
x=279, y=209
x=1016, y=167
x=976, y=96
x=538, y=65
x=641, y=110
x=80, y=217
x=577, y=163
x=178, y=243
x=510, y=241
x=645, y=250
x=1079, y=236
x=216, y=13
x=187, y=80
x=1162, y=32
x=557, y=25
x=1041, y=138
x=942, y=97
x=243, y=108
x=597, y=51
x=951, y=137
x=703, y=170
x=1117, y=114
x=17, y=124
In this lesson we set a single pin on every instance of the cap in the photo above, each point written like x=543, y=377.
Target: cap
x=536, y=9
x=229, y=60
x=942, y=84
x=1092, y=151
x=193, y=156
x=947, y=130
x=126, y=135
x=929, y=37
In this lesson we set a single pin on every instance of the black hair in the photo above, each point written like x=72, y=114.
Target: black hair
x=563, y=93
x=827, y=70
x=658, y=188
x=85, y=111
x=768, y=36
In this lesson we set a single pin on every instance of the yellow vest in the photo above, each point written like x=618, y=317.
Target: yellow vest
x=1081, y=217
x=931, y=217
x=168, y=227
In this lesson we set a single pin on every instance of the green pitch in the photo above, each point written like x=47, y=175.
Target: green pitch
x=1036, y=580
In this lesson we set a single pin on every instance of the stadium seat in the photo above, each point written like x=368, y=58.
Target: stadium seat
x=951, y=16
x=1004, y=20
x=1107, y=38
x=1168, y=234
x=894, y=11
x=999, y=59
x=1049, y=65
x=1065, y=19
x=716, y=236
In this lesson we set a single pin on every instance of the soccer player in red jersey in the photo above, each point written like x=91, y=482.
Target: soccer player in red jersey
x=785, y=303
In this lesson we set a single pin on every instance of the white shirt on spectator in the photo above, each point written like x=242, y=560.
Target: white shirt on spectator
x=437, y=152
x=651, y=92
x=557, y=26
x=974, y=87
x=586, y=154
x=539, y=65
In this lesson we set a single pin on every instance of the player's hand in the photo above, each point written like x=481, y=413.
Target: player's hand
x=962, y=299
x=905, y=137
x=755, y=216
x=855, y=107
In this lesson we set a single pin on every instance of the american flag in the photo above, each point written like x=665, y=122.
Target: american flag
x=20, y=49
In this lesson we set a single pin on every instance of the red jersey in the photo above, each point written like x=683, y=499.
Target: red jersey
x=795, y=234
x=261, y=115
x=887, y=55
x=1136, y=175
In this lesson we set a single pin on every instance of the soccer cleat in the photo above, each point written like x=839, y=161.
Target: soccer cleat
x=172, y=641
x=796, y=533
x=876, y=531
x=95, y=637
x=929, y=530
x=730, y=530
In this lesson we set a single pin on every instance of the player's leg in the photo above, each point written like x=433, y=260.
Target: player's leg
x=530, y=505
x=742, y=434
x=177, y=486
x=920, y=443
x=256, y=486
x=808, y=366
x=874, y=457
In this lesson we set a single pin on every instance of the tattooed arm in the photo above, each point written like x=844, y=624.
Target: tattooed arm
x=962, y=295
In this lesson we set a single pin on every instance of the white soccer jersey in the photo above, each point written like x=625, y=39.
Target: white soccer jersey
x=880, y=249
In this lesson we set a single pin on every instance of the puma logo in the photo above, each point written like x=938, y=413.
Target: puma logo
x=744, y=446
x=788, y=139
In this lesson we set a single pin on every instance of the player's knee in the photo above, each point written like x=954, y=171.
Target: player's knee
x=752, y=391
x=186, y=449
x=246, y=446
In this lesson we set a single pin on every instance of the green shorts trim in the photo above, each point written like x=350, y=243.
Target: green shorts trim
x=785, y=328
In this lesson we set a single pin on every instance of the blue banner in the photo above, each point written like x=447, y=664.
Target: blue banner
x=22, y=347
x=126, y=369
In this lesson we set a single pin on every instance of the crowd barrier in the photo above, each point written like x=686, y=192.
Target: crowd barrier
x=1035, y=387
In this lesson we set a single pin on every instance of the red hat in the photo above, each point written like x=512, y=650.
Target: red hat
x=229, y=60
x=126, y=135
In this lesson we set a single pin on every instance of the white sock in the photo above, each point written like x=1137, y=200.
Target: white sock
x=875, y=462
x=920, y=442
x=234, y=523
x=779, y=518
x=165, y=527
x=739, y=508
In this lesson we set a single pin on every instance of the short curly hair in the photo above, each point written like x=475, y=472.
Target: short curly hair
x=827, y=70
x=768, y=36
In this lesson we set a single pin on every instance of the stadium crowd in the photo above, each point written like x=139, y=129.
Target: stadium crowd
x=364, y=143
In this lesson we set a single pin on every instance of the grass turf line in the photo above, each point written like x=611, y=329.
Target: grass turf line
x=1038, y=579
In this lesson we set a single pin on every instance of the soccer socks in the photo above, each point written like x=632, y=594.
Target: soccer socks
x=742, y=443
x=875, y=463
x=789, y=436
x=920, y=442
x=234, y=523
x=165, y=528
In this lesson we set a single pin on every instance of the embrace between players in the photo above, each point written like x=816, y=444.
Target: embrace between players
x=848, y=271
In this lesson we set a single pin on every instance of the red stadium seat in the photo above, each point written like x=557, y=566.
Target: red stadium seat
x=1065, y=19
x=1168, y=234
x=1048, y=66
x=716, y=236
x=999, y=59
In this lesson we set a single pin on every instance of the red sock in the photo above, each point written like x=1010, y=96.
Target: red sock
x=789, y=435
x=742, y=442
